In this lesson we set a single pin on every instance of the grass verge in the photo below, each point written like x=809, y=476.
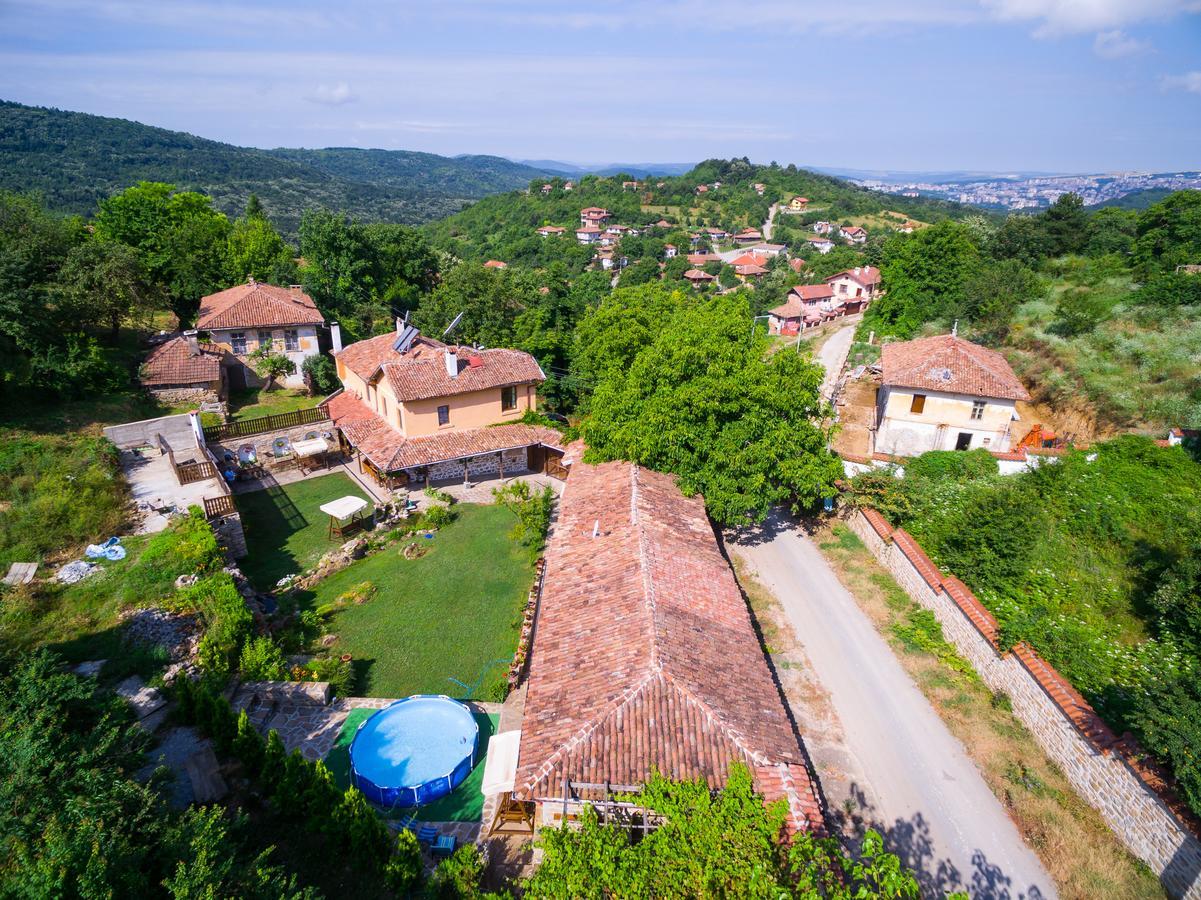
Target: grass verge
x=1075, y=845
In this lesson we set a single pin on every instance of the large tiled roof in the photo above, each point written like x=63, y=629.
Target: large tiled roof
x=390, y=451
x=951, y=365
x=174, y=363
x=257, y=305
x=644, y=655
x=868, y=276
x=811, y=292
x=420, y=372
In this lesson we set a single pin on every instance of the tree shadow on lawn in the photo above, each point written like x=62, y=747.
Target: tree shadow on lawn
x=269, y=519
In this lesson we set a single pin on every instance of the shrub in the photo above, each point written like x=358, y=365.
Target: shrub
x=437, y=517
x=404, y=870
x=955, y=464
x=460, y=876
x=359, y=829
x=248, y=746
x=441, y=496
x=532, y=510
x=227, y=621
x=338, y=673
x=262, y=660
x=321, y=373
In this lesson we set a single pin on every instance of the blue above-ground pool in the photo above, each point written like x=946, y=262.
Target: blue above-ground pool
x=414, y=751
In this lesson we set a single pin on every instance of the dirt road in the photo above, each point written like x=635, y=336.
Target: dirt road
x=898, y=767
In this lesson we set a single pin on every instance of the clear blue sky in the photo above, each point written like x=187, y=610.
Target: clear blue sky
x=1064, y=85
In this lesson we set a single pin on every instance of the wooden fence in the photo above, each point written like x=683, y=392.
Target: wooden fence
x=195, y=470
x=222, y=505
x=264, y=424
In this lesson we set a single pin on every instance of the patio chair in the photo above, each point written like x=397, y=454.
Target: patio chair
x=444, y=845
x=427, y=834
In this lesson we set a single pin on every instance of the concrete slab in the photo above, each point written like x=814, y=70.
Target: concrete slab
x=143, y=699
x=154, y=488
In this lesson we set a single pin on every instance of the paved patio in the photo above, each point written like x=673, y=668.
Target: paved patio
x=155, y=490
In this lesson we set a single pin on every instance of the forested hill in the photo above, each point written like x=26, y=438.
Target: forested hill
x=74, y=160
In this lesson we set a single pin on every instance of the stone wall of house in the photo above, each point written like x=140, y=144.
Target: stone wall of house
x=1106, y=771
x=184, y=396
x=487, y=465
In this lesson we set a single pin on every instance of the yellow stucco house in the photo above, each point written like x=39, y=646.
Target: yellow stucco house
x=416, y=409
x=944, y=393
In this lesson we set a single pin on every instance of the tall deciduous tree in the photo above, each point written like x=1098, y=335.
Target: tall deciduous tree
x=704, y=400
x=1169, y=234
x=104, y=282
x=179, y=237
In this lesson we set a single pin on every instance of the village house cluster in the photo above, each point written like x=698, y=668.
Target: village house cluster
x=808, y=305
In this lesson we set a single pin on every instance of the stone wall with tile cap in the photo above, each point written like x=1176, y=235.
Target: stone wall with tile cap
x=1136, y=801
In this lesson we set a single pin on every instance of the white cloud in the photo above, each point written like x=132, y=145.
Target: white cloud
x=1189, y=81
x=1117, y=44
x=1057, y=17
x=333, y=94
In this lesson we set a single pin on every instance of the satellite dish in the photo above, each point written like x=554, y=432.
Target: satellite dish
x=451, y=326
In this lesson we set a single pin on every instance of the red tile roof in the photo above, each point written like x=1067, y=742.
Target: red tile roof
x=868, y=276
x=819, y=239
x=174, y=363
x=495, y=264
x=796, y=264
x=257, y=305
x=420, y=373
x=952, y=365
x=697, y=275
x=644, y=653
x=751, y=269
x=811, y=293
x=391, y=451
x=747, y=259
x=700, y=259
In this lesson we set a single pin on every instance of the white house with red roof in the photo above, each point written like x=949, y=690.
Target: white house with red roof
x=594, y=216
x=853, y=234
x=820, y=243
x=588, y=234
x=823, y=228
x=245, y=317
x=416, y=409
x=861, y=282
x=551, y=230
x=945, y=393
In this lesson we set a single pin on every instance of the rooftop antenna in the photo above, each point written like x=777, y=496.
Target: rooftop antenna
x=596, y=528
x=451, y=326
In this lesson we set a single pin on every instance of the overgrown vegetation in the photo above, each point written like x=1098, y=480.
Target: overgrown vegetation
x=1071, y=558
x=710, y=845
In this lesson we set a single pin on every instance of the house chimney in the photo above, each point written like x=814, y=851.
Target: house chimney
x=335, y=336
x=192, y=342
x=400, y=324
x=452, y=363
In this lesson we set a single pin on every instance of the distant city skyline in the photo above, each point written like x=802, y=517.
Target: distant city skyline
x=1064, y=86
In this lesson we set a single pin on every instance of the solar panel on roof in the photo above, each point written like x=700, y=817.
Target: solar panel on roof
x=405, y=339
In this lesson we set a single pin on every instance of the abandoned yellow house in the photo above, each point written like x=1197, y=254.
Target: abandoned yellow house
x=944, y=393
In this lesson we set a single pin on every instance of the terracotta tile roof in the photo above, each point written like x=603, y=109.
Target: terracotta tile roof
x=594, y=212
x=915, y=554
x=749, y=233
x=796, y=264
x=747, y=259
x=812, y=293
x=174, y=363
x=644, y=653
x=751, y=269
x=697, y=275
x=819, y=239
x=551, y=229
x=390, y=451
x=700, y=259
x=868, y=276
x=952, y=365
x=853, y=229
x=257, y=305
x=495, y=264
x=420, y=372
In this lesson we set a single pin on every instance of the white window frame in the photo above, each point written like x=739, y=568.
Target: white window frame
x=236, y=338
x=978, y=410
x=291, y=340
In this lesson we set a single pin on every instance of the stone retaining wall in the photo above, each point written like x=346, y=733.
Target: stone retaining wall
x=1106, y=771
x=516, y=462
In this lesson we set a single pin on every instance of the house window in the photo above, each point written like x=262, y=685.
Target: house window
x=977, y=409
x=443, y=415
x=291, y=339
x=237, y=342
x=264, y=338
x=508, y=398
x=917, y=404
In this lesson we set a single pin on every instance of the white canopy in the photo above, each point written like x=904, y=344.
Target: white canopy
x=500, y=767
x=343, y=507
x=310, y=447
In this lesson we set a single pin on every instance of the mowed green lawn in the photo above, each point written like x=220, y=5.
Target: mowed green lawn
x=286, y=531
x=453, y=613
x=255, y=403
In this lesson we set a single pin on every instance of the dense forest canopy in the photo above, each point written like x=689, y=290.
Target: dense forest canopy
x=75, y=160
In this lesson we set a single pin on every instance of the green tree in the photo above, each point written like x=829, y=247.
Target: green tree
x=270, y=364
x=993, y=293
x=255, y=249
x=710, y=845
x=179, y=237
x=1020, y=237
x=1079, y=310
x=1111, y=230
x=704, y=401
x=1065, y=224
x=104, y=283
x=1169, y=234
x=490, y=300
